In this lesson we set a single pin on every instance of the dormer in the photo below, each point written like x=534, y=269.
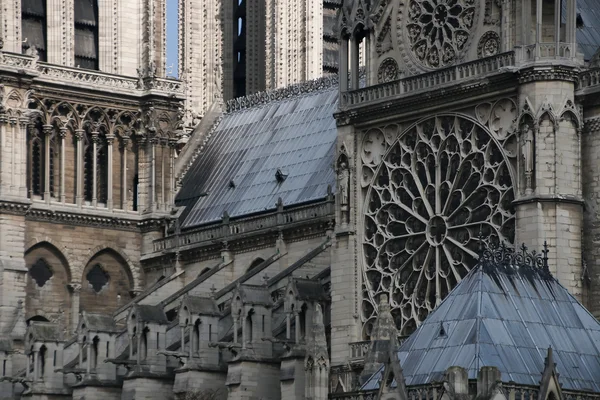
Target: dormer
x=301, y=299
x=44, y=350
x=96, y=336
x=199, y=323
x=146, y=328
x=251, y=308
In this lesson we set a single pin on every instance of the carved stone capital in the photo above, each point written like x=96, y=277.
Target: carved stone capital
x=79, y=133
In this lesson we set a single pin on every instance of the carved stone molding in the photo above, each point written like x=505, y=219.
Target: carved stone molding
x=388, y=71
x=260, y=98
x=489, y=45
x=554, y=72
x=437, y=32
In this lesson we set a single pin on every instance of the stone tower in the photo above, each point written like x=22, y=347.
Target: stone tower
x=422, y=179
x=233, y=48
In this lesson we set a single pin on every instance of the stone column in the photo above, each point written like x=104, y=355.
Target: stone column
x=13, y=140
x=47, y=135
x=95, y=140
x=288, y=326
x=76, y=288
x=88, y=367
x=297, y=317
x=109, y=185
x=153, y=174
x=79, y=134
x=235, y=329
x=163, y=146
x=124, y=174
x=36, y=366
x=182, y=348
x=21, y=149
x=63, y=133
x=191, y=340
x=355, y=63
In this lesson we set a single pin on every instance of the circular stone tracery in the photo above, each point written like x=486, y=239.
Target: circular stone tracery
x=442, y=184
x=438, y=30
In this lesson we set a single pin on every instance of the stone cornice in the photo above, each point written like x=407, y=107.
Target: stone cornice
x=539, y=73
x=428, y=101
x=89, y=218
x=552, y=198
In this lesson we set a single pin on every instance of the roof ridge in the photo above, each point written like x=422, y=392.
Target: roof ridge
x=294, y=90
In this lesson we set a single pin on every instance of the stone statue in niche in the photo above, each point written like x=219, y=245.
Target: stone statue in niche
x=527, y=149
x=343, y=177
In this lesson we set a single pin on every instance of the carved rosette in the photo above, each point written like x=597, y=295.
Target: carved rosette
x=437, y=31
x=489, y=45
x=430, y=195
x=388, y=71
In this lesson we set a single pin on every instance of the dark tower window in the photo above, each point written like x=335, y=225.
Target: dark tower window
x=33, y=25
x=239, y=49
x=86, y=34
x=40, y=271
x=97, y=277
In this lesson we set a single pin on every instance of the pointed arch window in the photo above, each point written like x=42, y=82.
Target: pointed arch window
x=86, y=34
x=33, y=27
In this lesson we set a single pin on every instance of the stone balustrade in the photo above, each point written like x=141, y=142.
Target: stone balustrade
x=87, y=78
x=427, y=81
x=230, y=229
x=546, y=51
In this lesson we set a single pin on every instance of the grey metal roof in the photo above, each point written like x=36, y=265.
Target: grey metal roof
x=99, y=322
x=149, y=313
x=200, y=305
x=295, y=134
x=588, y=37
x=507, y=319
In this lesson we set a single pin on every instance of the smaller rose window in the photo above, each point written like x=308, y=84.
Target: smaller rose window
x=438, y=30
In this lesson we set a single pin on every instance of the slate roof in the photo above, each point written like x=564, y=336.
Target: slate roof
x=44, y=332
x=99, y=322
x=201, y=305
x=507, y=319
x=588, y=37
x=253, y=294
x=148, y=313
x=309, y=289
x=295, y=134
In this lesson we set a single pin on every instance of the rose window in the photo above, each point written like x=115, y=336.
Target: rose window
x=438, y=30
x=442, y=186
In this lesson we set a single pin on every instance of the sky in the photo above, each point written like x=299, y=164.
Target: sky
x=172, y=23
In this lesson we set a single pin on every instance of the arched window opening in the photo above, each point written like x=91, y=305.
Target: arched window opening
x=95, y=139
x=249, y=328
x=255, y=264
x=33, y=26
x=303, y=315
x=196, y=343
x=42, y=357
x=107, y=348
x=35, y=162
x=144, y=350
x=97, y=278
x=54, y=359
x=3, y=367
x=37, y=318
x=102, y=170
x=95, y=346
x=86, y=34
x=41, y=272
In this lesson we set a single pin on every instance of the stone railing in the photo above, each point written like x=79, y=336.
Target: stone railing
x=72, y=75
x=228, y=229
x=588, y=78
x=359, y=350
x=427, y=81
x=546, y=51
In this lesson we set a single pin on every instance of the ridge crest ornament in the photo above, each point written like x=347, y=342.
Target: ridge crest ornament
x=437, y=31
x=439, y=188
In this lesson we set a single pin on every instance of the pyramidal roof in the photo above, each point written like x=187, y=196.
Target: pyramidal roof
x=507, y=317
